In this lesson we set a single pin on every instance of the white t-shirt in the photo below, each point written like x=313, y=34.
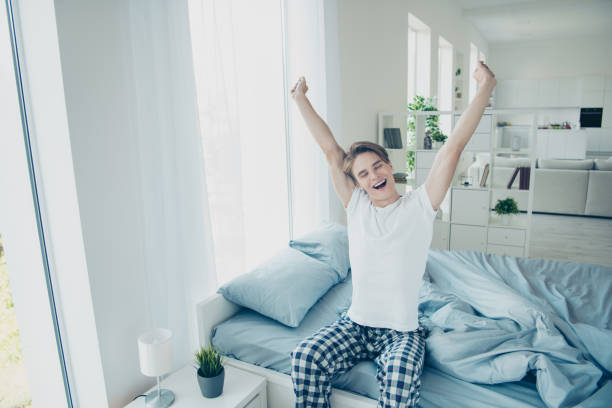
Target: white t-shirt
x=388, y=251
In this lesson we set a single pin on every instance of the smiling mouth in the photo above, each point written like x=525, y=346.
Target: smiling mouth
x=381, y=185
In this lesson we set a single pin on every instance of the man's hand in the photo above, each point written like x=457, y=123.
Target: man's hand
x=484, y=76
x=300, y=88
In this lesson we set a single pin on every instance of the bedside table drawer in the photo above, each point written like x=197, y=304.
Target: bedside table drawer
x=468, y=238
x=470, y=207
x=505, y=250
x=506, y=236
x=256, y=402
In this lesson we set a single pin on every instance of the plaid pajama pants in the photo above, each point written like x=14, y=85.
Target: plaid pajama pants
x=336, y=348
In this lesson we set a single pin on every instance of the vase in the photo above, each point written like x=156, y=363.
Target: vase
x=427, y=142
x=437, y=145
x=211, y=387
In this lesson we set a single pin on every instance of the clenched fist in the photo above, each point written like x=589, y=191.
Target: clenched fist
x=300, y=88
x=483, y=75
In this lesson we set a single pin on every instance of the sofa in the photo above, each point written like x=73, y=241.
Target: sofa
x=562, y=186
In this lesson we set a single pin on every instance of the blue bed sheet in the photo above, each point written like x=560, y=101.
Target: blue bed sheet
x=503, y=331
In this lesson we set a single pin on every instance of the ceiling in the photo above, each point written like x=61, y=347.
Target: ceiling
x=505, y=21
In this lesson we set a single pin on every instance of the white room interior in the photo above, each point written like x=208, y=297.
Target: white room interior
x=115, y=109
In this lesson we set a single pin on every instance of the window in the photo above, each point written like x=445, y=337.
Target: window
x=445, y=82
x=473, y=62
x=419, y=57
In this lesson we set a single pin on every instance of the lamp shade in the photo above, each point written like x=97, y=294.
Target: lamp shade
x=155, y=352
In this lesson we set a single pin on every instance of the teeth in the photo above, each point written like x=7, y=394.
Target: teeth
x=379, y=184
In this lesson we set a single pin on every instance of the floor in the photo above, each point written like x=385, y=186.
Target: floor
x=567, y=238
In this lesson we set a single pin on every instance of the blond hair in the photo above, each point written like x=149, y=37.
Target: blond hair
x=362, y=147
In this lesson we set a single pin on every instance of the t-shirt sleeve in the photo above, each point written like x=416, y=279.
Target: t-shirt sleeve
x=425, y=202
x=353, y=200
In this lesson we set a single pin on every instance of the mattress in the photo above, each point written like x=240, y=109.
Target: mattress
x=256, y=339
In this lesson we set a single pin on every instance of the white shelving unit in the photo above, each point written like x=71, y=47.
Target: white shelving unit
x=466, y=221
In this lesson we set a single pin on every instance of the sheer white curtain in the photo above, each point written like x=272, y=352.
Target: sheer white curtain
x=306, y=43
x=239, y=68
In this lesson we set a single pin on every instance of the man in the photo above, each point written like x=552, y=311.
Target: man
x=389, y=236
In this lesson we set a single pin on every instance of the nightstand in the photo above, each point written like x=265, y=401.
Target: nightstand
x=241, y=390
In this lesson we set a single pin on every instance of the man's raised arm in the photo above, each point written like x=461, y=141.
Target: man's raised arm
x=442, y=171
x=320, y=131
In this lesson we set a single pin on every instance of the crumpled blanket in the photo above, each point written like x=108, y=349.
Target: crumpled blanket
x=494, y=319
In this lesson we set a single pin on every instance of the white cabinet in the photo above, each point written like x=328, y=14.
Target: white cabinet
x=481, y=139
x=424, y=161
x=548, y=93
x=425, y=158
x=562, y=144
x=526, y=93
x=441, y=235
x=569, y=92
x=468, y=237
x=506, y=236
x=596, y=94
x=470, y=206
x=241, y=389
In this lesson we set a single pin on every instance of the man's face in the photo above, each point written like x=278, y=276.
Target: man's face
x=374, y=176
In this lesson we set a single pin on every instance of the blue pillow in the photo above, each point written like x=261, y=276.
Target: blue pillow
x=282, y=288
x=329, y=244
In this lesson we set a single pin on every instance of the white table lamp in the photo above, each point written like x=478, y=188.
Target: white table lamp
x=155, y=353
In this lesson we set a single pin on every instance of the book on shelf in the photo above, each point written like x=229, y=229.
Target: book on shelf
x=393, y=138
x=516, y=172
x=524, y=174
x=485, y=174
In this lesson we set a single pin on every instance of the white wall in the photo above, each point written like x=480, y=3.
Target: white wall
x=373, y=39
x=136, y=154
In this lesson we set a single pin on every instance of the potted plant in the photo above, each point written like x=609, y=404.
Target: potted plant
x=211, y=374
x=432, y=128
x=505, y=209
x=438, y=137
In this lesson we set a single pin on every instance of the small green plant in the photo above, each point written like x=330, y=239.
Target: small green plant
x=507, y=206
x=420, y=103
x=410, y=161
x=210, y=361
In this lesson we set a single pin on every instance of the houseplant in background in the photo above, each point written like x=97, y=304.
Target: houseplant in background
x=506, y=209
x=432, y=128
x=211, y=373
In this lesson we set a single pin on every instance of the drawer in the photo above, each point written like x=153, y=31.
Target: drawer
x=468, y=237
x=255, y=402
x=441, y=235
x=506, y=236
x=484, y=126
x=470, y=206
x=425, y=159
x=505, y=250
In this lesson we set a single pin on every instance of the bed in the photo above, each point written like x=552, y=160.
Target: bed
x=502, y=332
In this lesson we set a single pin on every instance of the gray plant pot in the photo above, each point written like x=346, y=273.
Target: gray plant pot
x=211, y=387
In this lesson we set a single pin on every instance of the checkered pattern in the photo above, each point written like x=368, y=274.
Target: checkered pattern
x=336, y=348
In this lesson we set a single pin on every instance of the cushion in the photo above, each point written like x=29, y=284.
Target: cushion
x=565, y=164
x=601, y=164
x=328, y=243
x=283, y=287
x=512, y=162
